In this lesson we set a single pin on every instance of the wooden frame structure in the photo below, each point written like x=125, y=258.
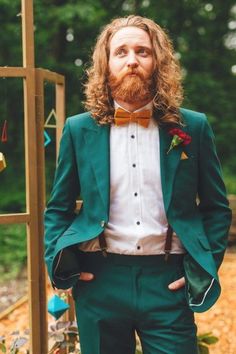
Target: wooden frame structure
x=33, y=80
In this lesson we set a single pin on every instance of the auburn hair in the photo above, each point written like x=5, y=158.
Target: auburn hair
x=167, y=73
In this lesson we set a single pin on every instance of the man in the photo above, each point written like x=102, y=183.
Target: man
x=143, y=252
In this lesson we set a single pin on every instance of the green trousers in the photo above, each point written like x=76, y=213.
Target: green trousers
x=129, y=295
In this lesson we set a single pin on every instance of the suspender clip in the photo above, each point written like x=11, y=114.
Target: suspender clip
x=167, y=253
x=104, y=252
x=168, y=243
x=102, y=244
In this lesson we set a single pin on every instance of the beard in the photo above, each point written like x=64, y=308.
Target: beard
x=131, y=88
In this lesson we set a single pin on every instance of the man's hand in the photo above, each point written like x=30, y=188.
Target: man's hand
x=86, y=276
x=177, y=284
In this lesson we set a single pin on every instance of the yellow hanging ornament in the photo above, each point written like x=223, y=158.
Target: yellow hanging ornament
x=2, y=162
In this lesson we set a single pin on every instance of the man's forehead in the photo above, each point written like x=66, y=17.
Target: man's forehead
x=128, y=35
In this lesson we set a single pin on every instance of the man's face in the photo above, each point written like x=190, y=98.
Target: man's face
x=131, y=48
x=131, y=64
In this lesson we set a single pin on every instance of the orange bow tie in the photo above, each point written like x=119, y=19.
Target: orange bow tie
x=141, y=117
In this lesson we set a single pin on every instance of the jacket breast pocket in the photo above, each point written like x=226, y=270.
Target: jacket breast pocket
x=187, y=175
x=190, y=161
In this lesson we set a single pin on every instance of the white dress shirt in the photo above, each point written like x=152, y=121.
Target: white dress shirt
x=137, y=221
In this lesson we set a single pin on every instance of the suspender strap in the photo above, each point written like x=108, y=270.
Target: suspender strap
x=168, y=244
x=102, y=244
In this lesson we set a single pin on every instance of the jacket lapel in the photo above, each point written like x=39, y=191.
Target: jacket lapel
x=98, y=154
x=168, y=164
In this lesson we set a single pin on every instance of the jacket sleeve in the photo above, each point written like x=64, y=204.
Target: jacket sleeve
x=60, y=213
x=213, y=206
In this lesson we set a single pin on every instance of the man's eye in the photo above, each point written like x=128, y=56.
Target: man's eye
x=120, y=52
x=143, y=51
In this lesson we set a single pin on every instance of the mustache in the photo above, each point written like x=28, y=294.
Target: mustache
x=130, y=71
x=134, y=71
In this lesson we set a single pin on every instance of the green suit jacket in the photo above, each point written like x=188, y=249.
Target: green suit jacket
x=83, y=170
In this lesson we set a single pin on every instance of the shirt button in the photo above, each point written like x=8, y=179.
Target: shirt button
x=132, y=136
x=134, y=165
x=135, y=194
x=138, y=247
x=138, y=222
x=102, y=223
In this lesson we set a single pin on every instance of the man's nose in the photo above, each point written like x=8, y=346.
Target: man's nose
x=132, y=61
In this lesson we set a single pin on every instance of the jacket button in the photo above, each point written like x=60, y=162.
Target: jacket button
x=102, y=223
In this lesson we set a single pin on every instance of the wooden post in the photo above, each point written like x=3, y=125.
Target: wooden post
x=27, y=33
x=38, y=330
x=60, y=110
x=41, y=77
x=39, y=100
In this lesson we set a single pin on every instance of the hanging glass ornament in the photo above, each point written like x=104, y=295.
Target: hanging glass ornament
x=4, y=132
x=3, y=164
x=57, y=306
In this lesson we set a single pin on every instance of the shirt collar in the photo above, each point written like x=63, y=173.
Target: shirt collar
x=148, y=106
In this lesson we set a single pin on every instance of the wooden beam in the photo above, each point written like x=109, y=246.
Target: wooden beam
x=38, y=332
x=20, y=218
x=13, y=307
x=12, y=72
x=59, y=80
x=51, y=76
x=32, y=208
x=43, y=76
x=60, y=110
x=39, y=100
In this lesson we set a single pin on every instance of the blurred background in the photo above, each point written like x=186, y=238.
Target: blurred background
x=204, y=38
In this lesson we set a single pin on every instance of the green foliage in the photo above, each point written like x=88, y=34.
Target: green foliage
x=3, y=348
x=13, y=250
x=16, y=341
x=230, y=181
x=204, y=340
x=207, y=338
x=63, y=335
x=202, y=349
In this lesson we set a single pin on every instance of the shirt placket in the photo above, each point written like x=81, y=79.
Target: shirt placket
x=135, y=183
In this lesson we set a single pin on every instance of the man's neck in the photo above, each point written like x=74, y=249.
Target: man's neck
x=131, y=107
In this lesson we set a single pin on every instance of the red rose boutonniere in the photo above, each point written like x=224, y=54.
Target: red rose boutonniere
x=179, y=137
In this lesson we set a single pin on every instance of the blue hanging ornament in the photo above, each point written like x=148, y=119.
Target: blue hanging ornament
x=57, y=306
x=47, y=138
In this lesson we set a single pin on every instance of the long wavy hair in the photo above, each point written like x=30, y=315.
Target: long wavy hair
x=167, y=73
